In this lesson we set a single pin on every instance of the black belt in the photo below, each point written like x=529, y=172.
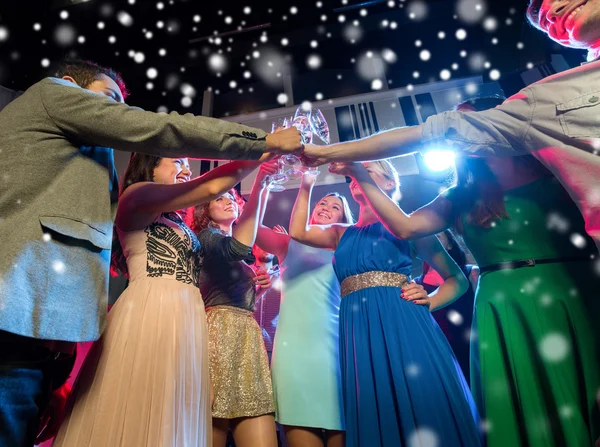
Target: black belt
x=530, y=263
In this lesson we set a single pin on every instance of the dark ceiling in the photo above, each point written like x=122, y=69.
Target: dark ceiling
x=167, y=56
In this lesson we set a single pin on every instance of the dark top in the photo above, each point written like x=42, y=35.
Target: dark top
x=225, y=279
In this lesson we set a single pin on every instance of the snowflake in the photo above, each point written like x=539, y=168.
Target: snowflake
x=461, y=34
x=485, y=425
x=578, y=240
x=490, y=24
x=417, y=10
x=554, y=347
x=124, y=18
x=566, y=411
x=314, y=61
x=423, y=437
x=59, y=267
x=455, y=317
x=546, y=300
x=413, y=370
x=65, y=34
x=471, y=11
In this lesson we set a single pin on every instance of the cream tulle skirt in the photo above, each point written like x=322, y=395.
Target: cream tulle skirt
x=146, y=381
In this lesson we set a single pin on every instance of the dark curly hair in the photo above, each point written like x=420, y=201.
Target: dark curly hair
x=86, y=72
x=201, y=218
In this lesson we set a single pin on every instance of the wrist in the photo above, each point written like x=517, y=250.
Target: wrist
x=360, y=175
x=267, y=156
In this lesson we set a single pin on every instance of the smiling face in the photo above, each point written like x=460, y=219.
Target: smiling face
x=224, y=210
x=172, y=170
x=572, y=23
x=329, y=210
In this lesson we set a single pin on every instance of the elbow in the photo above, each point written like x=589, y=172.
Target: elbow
x=297, y=233
x=404, y=233
x=213, y=191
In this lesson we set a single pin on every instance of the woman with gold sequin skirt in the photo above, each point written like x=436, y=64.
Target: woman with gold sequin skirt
x=401, y=383
x=239, y=366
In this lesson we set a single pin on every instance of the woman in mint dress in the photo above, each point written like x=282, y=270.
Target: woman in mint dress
x=535, y=368
x=305, y=361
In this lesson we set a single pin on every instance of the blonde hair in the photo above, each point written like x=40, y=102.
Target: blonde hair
x=385, y=168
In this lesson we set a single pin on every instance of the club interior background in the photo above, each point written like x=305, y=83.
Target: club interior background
x=369, y=65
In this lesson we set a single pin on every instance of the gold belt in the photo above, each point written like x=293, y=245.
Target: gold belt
x=373, y=279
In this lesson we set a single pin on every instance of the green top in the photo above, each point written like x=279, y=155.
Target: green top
x=543, y=223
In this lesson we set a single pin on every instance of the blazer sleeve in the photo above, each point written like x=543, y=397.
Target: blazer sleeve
x=94, y=119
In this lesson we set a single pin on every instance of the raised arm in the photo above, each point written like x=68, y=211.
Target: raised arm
x=247, y=225
x=269, y=240
x=93, y=119
x=386, y=144
x=319, y=236
x=142, y=201
x=500, y=131
x=428, y=220
x=455, y=284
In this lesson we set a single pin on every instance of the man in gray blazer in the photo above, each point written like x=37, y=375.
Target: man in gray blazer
x=7, y=95
x=58, y=194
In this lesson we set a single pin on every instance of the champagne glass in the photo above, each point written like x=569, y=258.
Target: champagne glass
x=275, y=181
x=319, y=125
x=278, y=123
x=291, y=162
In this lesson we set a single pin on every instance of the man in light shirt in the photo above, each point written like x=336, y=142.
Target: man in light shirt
x=556, y=119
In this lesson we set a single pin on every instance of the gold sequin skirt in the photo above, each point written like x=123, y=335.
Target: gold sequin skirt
x=239, y=366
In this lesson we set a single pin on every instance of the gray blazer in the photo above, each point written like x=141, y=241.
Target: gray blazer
x=7, y=95
x=58, y=194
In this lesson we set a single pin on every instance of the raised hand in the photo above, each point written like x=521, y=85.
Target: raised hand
x=262, y=279
x=347, y=169
x=285, y=142
x=279, y=229
x=314, y=155
x=416, y=293
x=269, y=168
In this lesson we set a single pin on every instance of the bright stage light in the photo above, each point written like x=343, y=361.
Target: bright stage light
x=439, y=160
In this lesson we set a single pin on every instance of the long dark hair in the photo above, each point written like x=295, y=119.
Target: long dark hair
x=456, y=252
x=140, y=169
x=479, y=196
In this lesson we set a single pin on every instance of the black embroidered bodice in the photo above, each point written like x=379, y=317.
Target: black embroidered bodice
x=173, y=249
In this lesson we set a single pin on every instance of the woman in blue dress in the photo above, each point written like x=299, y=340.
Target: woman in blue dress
x=402, y=385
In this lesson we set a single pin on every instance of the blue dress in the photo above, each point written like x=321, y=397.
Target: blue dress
x=401, y=383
